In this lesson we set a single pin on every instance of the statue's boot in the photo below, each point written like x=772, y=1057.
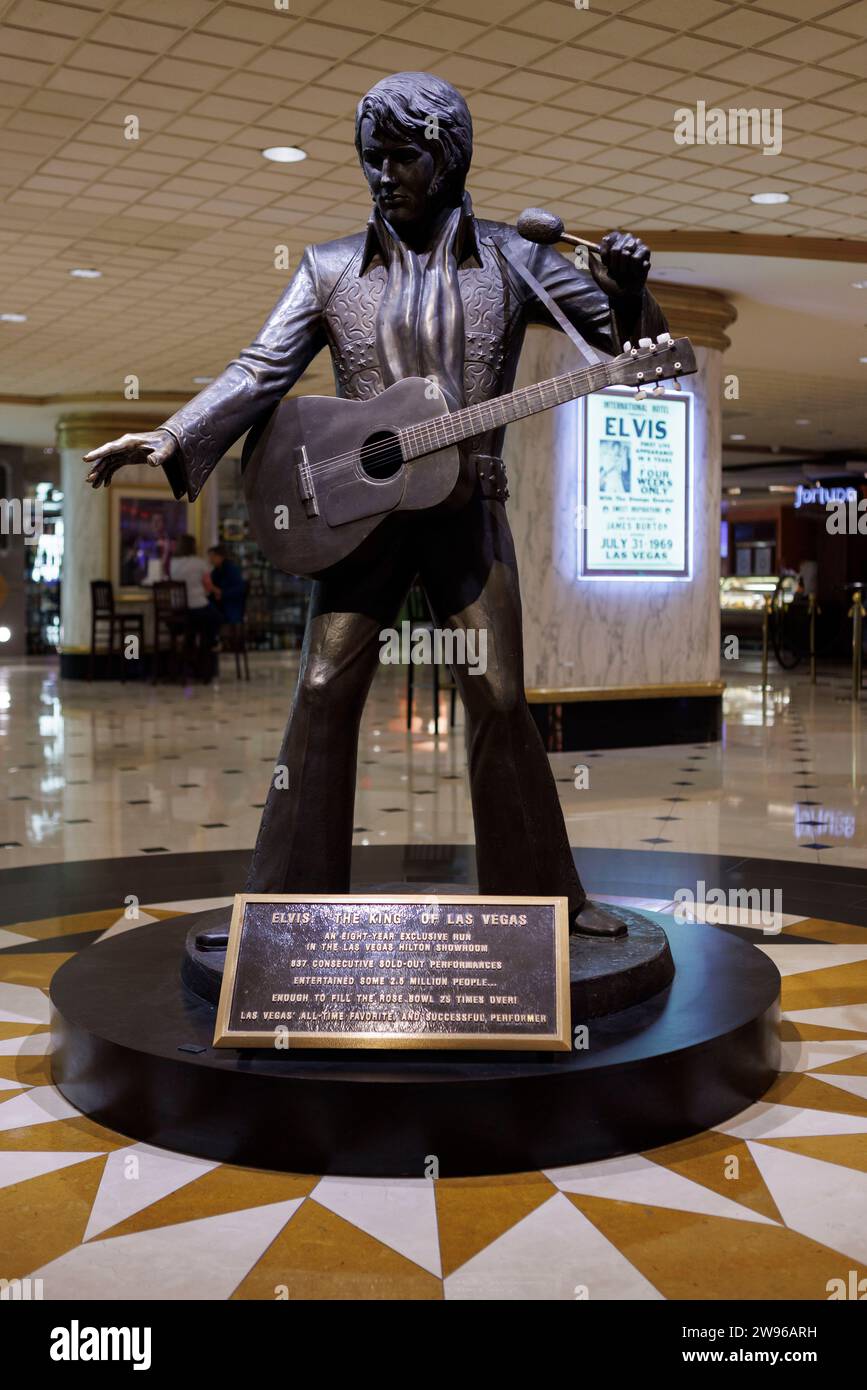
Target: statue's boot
x=594, y=920
x=213, y=929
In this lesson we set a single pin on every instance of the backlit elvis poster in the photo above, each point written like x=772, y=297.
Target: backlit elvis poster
x=636, y=513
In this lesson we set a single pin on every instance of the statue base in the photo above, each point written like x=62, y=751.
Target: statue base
x=133, y=1050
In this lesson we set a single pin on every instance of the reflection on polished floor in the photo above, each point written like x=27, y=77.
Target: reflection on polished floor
x=104, y=770
x=125, y=789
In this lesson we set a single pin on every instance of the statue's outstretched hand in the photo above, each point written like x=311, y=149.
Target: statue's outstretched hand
x=154, y=448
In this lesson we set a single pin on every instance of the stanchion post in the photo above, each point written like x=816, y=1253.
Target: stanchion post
x=769, y=600
x=856, y=613
x=814, y=609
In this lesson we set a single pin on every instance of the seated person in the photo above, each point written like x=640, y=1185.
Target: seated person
x=203, y=622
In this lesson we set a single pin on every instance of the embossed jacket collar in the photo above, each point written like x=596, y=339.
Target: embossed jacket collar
x=376, y=243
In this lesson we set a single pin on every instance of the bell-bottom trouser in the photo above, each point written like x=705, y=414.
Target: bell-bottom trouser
x=465, y=560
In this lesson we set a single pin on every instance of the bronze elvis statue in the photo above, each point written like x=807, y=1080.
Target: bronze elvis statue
x=425, y=290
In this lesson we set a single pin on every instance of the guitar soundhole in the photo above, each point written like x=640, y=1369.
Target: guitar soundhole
x=380, y=455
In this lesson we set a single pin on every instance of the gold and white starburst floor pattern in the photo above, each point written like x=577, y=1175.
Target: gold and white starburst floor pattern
x=770, y=1205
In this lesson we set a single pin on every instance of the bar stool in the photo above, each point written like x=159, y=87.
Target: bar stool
x=170, y=610
x=105, y=622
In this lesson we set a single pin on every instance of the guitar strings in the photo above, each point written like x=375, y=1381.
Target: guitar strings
x=585, y=375
x=327, y=465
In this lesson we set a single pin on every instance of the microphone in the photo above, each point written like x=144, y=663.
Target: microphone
x=536, y=224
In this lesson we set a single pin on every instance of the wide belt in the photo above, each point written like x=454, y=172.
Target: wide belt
x=491, y=473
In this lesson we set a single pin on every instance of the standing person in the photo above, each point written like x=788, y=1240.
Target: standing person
x=425, y=290
x=186, y=567
x=228, y=587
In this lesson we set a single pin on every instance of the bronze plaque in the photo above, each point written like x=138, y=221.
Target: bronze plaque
x=396, y=971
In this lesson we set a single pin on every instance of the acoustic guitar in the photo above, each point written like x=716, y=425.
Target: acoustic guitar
x=320, y=473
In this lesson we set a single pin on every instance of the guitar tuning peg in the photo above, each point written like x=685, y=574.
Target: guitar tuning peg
x=627, y=346
x=659, y=390
x=640, y=395
x=645, y=342
x=664, y=339
x=676, y=386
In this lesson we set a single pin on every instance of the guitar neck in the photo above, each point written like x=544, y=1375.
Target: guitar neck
x=444, y=430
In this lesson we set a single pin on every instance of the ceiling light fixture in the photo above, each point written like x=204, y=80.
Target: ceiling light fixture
x=83, y=273
x=802, y=422
x=284, y=154
x=859, y=284
x=202, y=380
x=737, y=438
x=769, y=197
x=13, y=318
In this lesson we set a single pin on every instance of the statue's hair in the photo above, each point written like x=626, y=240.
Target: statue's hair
x=406, y=105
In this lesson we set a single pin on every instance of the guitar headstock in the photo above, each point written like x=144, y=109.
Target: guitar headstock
x=649, y=364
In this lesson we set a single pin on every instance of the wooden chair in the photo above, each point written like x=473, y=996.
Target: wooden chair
x=170, y=610
x=106, y=623
x=420, y=619
x=233, y=637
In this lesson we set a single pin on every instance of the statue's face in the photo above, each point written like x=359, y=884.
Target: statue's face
x=399, y=175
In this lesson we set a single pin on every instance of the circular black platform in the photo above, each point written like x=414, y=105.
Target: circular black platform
x=606, y=974
x=132, y=1049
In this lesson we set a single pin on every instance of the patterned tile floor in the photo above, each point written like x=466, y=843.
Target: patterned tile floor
x=770, y=1205
x=99, y=771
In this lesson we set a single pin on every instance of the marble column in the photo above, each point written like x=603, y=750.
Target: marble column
x=86, y=519
x=605, y=634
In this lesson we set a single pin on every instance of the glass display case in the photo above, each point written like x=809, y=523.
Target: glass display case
x=742, y=598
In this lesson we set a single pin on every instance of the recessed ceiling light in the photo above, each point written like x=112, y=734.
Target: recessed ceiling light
x=284, y=154
x=13, y=318
x=82, y=273
x=202, y=380
x=860, y=359
x=802, y=422
x=859, y=284
x=736, y=438
x=769, y=197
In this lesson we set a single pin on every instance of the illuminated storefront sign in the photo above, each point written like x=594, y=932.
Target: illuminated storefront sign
x=821, y=496
x=636, y=487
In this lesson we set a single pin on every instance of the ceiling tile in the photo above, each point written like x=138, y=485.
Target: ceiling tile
x=807, y=45
x=550, y=20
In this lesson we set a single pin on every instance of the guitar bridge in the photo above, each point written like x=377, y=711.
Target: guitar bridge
x=304, y=476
